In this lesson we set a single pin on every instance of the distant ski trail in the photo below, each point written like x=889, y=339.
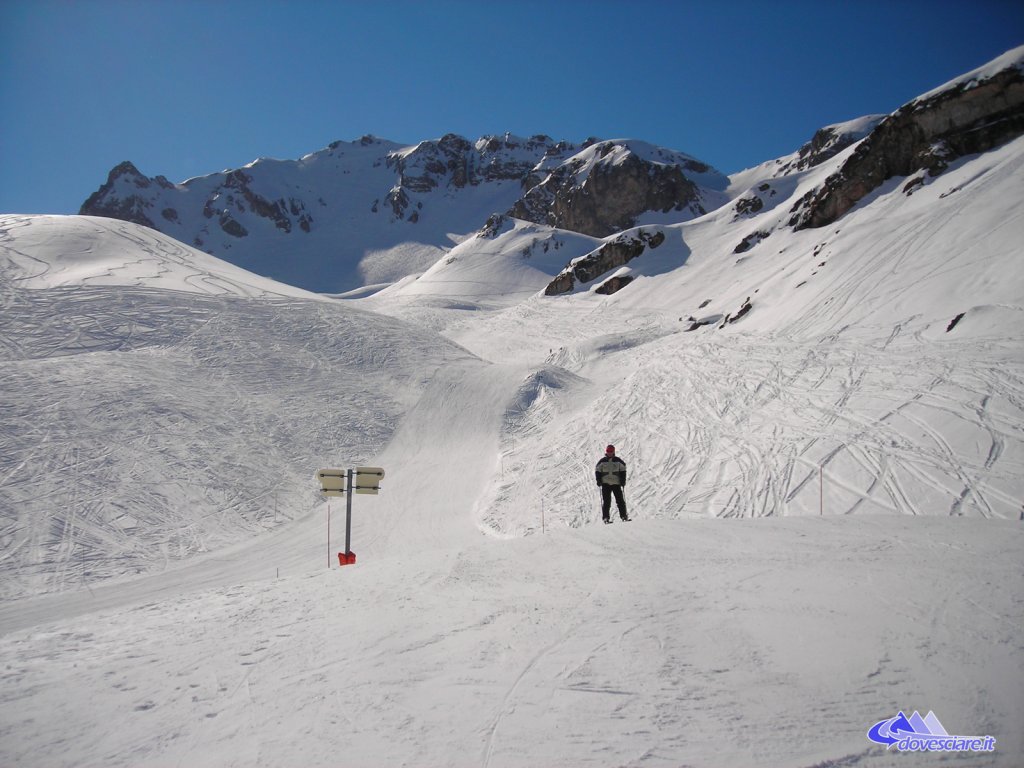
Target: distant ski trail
x=446, y=431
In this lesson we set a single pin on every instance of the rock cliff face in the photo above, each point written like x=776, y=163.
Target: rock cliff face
x=237, y=194
x=925, y=135
x=605, y=189
x=130, y=196
x=609, y=256
x=123, y=197
x=975, y=113
x=829, y=141
x=452, y=162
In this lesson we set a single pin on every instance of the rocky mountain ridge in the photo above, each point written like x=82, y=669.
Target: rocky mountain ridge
x=606, y=187
x=922, y=139
x=373, y=211
x=842, y=165
x=335, y=207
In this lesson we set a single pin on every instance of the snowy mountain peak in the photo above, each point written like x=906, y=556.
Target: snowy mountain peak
x=455, y=161
x=371, y=210
x=608, y=185
x=123, y=196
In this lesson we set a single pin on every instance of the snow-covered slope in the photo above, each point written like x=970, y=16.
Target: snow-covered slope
x=826, y=143
x=506, y=262
x=158, y=403
x=659, y=643
x=755, y=368
x=90, y=251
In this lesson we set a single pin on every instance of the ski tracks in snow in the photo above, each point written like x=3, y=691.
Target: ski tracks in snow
x=762, y=426
x=656, y=643
x=140, y=426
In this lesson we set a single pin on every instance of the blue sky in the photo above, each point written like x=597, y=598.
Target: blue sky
x=186, y=88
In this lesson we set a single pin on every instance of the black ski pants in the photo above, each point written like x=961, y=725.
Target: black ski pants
x=607, y=491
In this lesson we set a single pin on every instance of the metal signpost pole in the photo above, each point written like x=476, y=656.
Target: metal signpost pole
x=348, y=517
x=339, y=482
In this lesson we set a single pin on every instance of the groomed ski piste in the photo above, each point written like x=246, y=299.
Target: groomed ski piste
x=826, y=496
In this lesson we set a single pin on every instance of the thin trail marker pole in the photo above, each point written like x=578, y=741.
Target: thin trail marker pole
x=328, y=535
x=821, y=492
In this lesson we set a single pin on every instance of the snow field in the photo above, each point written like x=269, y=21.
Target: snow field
x=708, y=642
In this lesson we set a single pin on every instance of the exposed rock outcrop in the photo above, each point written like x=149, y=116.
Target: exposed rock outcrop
x=116, y=198
x=751, y=240
x=747, y=206
x=829, y=141
x=454, y=163
x=926, y=134
x=282, y=212
x=614, y=284
x=427, y=165
x=604, y=194
x=495, y=225
x=606, y=258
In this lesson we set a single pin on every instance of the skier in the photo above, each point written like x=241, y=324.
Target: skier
x=611, y=477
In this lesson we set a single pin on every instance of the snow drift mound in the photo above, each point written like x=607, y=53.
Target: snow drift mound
x=56, y=251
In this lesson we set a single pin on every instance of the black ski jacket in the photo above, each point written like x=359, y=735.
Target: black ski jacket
x=611, y=470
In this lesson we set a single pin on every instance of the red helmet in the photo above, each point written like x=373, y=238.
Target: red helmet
x=609, y=450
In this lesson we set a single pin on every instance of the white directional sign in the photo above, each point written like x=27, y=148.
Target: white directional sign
x=332, y=481
x=336, y=482
x=368, y=480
